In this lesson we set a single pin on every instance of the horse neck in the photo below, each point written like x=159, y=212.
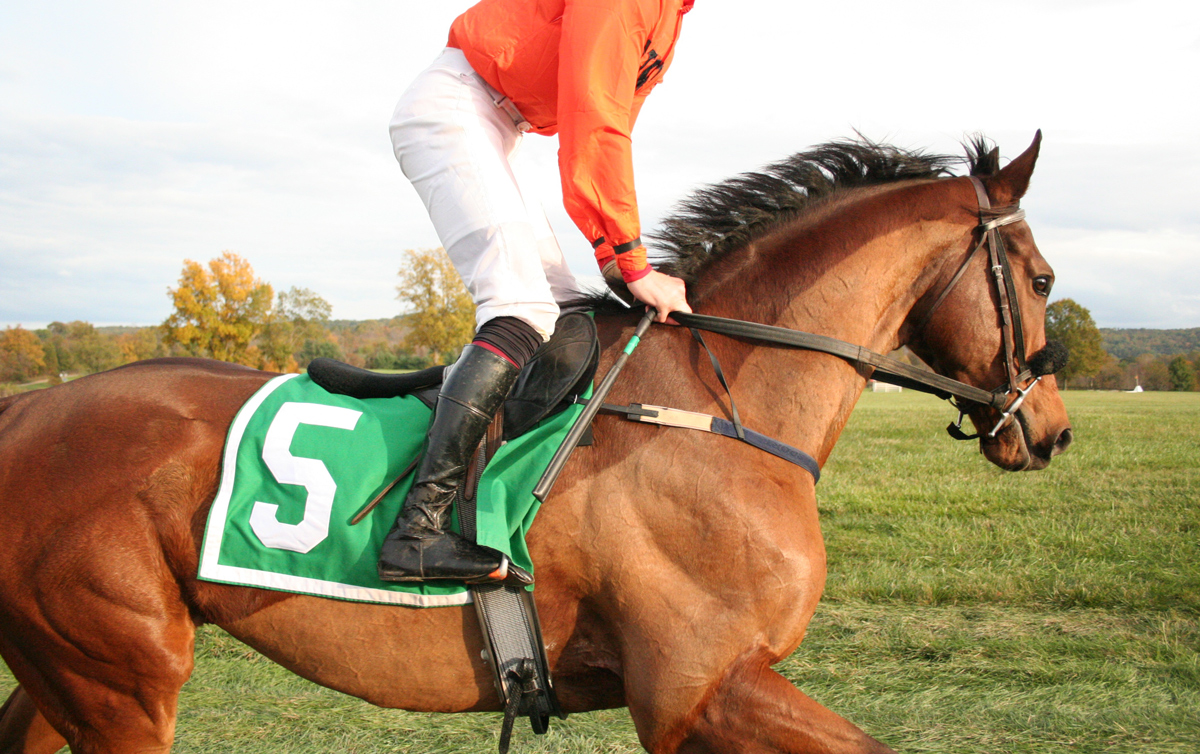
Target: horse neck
x=853, y=270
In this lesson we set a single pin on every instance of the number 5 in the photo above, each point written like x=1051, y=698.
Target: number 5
x=306, y=472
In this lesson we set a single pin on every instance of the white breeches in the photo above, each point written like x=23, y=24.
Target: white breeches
x=457, y=148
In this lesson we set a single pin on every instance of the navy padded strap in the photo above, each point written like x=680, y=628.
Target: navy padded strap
x=770, y=445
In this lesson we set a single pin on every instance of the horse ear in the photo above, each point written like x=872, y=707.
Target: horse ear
x=1010, y=184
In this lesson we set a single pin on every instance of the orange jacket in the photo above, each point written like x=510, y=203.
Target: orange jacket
x=581, y=68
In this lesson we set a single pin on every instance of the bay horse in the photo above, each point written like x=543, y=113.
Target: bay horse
x=674, y=567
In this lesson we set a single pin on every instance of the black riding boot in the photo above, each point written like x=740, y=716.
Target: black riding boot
x=420, y=546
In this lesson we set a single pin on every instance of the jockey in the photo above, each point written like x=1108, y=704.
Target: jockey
x=578, y=68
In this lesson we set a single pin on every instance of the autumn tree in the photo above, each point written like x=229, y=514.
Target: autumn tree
x=218, y=310
x=53, y=370
x=297, y=327
x=443, y=314
x=1072, y=325
x=142, y=343
x=1155, y=374
x=21, y=355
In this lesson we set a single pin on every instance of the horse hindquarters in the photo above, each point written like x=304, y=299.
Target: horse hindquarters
x=23, y=728
x=99, y=640
x=94, y=477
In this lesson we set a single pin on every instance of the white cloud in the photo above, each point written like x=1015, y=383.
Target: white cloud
x=1128, y=278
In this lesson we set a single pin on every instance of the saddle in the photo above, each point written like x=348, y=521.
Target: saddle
x=559, y=371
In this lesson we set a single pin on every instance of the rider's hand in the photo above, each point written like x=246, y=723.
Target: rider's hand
x=665, y=293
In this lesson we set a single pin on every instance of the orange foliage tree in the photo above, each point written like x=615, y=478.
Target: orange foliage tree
x=297, y=325
x=21, y=355
x=139, y=344
x=443, y=314
x=219, y=310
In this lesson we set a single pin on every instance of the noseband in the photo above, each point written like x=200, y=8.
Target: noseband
x=1006, y=399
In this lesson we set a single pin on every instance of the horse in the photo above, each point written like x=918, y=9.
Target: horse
x=674, y=567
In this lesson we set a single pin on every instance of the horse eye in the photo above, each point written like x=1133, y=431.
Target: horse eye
x=1042, y=285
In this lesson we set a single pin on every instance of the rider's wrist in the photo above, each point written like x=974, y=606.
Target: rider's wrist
x=632, y=261
x=632, y=276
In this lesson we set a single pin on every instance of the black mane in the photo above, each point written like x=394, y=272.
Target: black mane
x=726, y=216
x=729, y=215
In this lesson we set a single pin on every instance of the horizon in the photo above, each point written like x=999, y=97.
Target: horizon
x=338, y=320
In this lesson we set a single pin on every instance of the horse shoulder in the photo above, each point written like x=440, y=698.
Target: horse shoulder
x=721, y=531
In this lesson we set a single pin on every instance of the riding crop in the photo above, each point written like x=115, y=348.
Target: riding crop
x=542, y=490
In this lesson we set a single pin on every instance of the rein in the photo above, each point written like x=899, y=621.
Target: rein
x=894, y=372
x=887, y=369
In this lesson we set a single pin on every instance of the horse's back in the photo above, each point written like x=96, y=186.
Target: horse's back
x=118, y=403
x=105, y=434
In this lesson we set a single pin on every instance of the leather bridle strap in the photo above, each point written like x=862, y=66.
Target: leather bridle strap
x=985, y=227
x=953, y=282
x=1012, y=332
x=886, y=369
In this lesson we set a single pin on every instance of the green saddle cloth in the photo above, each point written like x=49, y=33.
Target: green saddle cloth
x=300, y=462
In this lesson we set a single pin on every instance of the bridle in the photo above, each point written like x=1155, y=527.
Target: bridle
x=1007, y=398
x=1011, y=330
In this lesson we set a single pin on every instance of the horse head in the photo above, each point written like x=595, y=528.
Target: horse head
x=881, y=247
x=964, y=325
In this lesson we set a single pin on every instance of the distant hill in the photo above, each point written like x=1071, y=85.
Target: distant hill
x=1133, y=342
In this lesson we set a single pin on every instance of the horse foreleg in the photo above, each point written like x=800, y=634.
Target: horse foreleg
x=24, y=730
x=754, y=709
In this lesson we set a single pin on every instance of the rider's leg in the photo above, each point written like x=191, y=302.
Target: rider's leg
x=455, y=146
x=420, y=546
x=564, y=286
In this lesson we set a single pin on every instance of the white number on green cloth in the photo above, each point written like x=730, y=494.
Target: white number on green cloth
x=306, y=472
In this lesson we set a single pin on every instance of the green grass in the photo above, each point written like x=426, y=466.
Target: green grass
x=12, y=388
x=910, y=516
x=967, y=610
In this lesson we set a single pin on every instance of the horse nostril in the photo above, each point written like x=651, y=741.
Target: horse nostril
x=1063, y=442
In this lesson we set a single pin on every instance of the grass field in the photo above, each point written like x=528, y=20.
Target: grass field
x=967, y=610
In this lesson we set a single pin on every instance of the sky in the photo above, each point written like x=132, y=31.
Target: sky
x=135, y=135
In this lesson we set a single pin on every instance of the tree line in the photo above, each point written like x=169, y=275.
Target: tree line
x=222, y=310
x=1093, y=367
x=1129, y=343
